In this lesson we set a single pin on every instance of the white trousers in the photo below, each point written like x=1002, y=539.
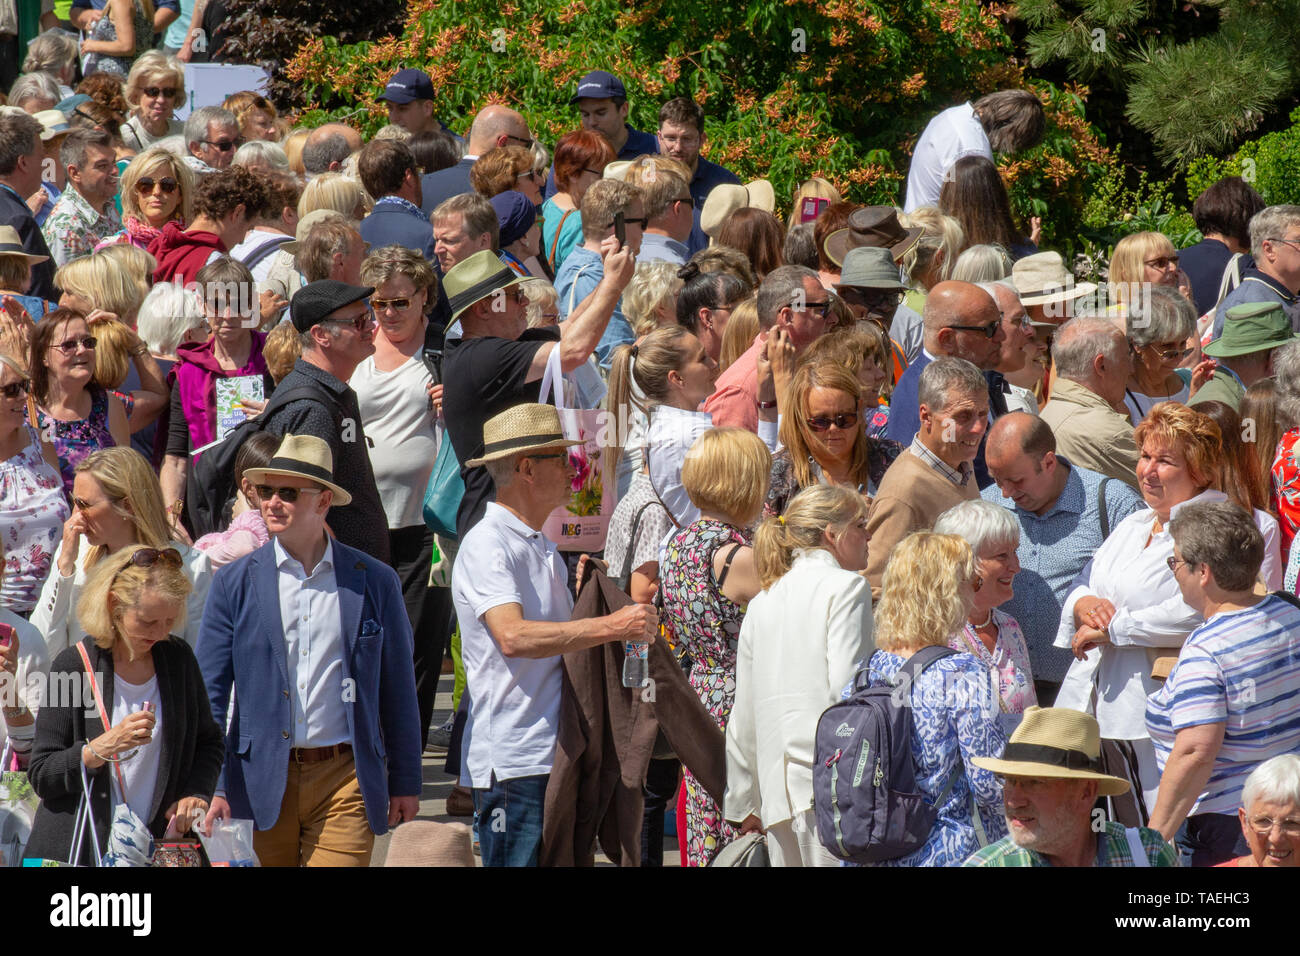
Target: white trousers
x=794, y=843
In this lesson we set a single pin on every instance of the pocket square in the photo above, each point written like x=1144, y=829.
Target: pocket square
x=370, y=627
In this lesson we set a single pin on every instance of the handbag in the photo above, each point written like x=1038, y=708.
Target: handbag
x=745, y=851
x=445, y=490
x=18, y=804
x=582, y=523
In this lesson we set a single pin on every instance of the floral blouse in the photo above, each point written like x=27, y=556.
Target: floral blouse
x=1286, y=489
x=74, y=441
x=1008, y=664
x=32, y=512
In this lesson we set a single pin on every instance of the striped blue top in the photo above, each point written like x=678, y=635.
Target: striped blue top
x=1242, y=669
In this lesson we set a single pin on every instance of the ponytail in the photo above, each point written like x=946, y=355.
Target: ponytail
x=645, y=364
x=807, y=517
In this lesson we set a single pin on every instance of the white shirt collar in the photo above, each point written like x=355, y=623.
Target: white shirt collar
x=285, y=561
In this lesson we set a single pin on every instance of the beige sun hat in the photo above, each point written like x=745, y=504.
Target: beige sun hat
x=527, y=427
x=11, y=244
x=1043, y=278
x=302, y=456
x=430, y=843
x=729, y=198
x=1055, y=742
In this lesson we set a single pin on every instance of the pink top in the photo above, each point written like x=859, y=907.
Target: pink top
x=245, y=535
x=734, y=401
x=1009, y=661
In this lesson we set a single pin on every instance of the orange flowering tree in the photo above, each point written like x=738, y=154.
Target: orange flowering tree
x=791, y=88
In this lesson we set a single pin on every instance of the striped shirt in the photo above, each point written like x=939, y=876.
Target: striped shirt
x=1112, y=850
x=1242, y=669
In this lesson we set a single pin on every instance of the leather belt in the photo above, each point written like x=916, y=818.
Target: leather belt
x=318, y=754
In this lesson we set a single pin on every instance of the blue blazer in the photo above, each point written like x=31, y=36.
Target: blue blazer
x=444, y=183
x=391, y=225
x=241, y=642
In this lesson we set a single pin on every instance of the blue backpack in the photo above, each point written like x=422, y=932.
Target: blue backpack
x=865, y=797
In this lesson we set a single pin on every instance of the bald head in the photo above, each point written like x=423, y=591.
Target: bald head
x=1020, y=452
x=497, y=126
x=956, y=313
x=328, y=147
x=1019, y=433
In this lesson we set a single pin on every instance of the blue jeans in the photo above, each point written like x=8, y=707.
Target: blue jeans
x=509, y=817
x=1208, y=839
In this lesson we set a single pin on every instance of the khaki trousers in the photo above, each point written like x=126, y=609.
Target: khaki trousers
x=322, y=818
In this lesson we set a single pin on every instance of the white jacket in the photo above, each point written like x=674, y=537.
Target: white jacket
x=28, y=686
x=55, y=614
x=799, y=643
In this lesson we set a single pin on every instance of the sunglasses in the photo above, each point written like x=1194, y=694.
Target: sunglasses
x=361, y=322
x=153, y=91
x=561, y=454
x=148, y=557
x=690, y=203
x=1162, y=262
x=532, y=174
x=397, y=305
x=520, y=139
x=1174, y=355
x=1172, y=563
x=816, y=308
x=87, y=342
x=146, y=184
x=632, y=222
x=843, y=421
x=870, y=297
x=225, y=145
x=287, y=495
x=988, y=330
x=15, y=389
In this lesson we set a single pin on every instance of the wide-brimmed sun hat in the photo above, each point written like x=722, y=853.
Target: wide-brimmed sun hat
x=302, y=456
x=1055, y=742
x=1252, y=327
x=872, y=226
x=729, y=198
x=870, y=267
x=1042, y=278
x=477, y=277
x=12, y=245
x=524, y=428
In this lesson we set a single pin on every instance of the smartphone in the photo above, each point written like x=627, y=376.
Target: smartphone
x=620, y=230
x=147, y=707
x=811, y=208
x=7, y=634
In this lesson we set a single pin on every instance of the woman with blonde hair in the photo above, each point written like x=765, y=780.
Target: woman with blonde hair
x=934, y=256
x=928, y=591
x=138, y=264
x=709, y=577
x=262, y=156
x=154, y=704
x=116, y=504
x=739, y=332
x=815, y=188
x=100, y=283
x=154, y=88
x=863, y=349
x=32, y=505
x=293, y=145
x=799, y=644
x=257, y=118
x=1143, y=259
x=337, y=192
x=157, y=188
x=650, y=300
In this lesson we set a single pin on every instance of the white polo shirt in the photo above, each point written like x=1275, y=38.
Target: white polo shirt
x=954, y=133
x=514, y=709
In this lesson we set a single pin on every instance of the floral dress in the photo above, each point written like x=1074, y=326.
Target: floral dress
x=105, y=29
x=705, y=626
x=1008, y=665
x=74, y=441
x=1286, y=489
x=32, y=512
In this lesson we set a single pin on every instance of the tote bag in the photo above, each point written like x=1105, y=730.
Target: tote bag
x=581, y=524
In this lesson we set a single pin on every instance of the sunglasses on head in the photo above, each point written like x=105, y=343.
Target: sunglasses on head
x=87, y=342
x=148, y=557
x=146, y=184
x=287, y=495
x=843, y=421
x=152, y=91
x=15, y=389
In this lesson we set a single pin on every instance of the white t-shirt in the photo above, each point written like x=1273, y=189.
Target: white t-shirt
x=948, y=137
x=396, y=416
x=139, y=773
x=514, y=709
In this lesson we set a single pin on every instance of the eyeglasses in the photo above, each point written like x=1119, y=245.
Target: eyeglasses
x=15, y=389
x=1289, y=242
x=1162, y=262
x=1264, y=826
x=843, y=421
x=1173, y=563
x=520, y=139
x=817, y=308
x=148, y=557
x=1173, y=355
x=594, y=172
x=225, y=145
x=690, y=202
x=870, y=297
x=561, y=454
x=146, y=184
x=87, y=342
x=81, y=504
x=397, y=305
x=153, y=91
x=362, y=322
x=532, y=174
x=989, y=330
x=287, y=495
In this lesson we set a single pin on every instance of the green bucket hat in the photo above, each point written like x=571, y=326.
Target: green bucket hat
x=1252, y=327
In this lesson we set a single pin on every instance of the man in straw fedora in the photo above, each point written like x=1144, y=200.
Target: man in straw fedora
x=513, y=603
x=323, y=749
x=1047, y=291
x=1051, y=778
x=498, y=362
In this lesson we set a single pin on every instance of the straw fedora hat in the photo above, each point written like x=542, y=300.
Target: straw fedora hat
x=527, y=427
x=729, y=198
x=303, y=456
x=1055, y=742
x=12, y=245
x=429, y=843
x=1042, y=278
x=477, y=277
x=872, y=226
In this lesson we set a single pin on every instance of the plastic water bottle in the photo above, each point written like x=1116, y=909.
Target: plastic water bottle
x=636, y=663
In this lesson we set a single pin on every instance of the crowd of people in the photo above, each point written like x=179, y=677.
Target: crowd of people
x=286, y=415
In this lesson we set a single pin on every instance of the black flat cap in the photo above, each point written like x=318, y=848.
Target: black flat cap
x=316, y=301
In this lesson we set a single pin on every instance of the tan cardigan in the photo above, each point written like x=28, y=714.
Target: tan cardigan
x=911, y=497
x=1091, y=434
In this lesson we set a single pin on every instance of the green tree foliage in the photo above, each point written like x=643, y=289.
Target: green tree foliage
x=1270, y=163
x=791, y=88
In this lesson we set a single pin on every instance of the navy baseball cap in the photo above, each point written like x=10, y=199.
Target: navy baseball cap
x=598, y=85
x=408, y=85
